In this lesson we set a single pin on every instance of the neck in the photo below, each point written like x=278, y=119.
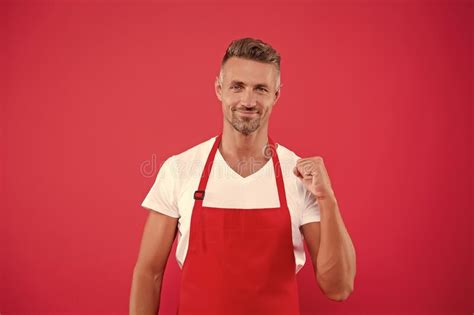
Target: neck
x=243, y=147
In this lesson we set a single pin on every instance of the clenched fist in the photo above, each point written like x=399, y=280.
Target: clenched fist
x=315, y=177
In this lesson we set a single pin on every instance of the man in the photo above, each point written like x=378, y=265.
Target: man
x=241, y=215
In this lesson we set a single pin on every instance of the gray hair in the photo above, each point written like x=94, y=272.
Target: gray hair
x=252, y=49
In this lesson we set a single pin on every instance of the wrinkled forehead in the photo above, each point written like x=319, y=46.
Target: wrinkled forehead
x=249, y=72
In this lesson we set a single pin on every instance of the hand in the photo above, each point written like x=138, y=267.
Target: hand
x=315, y=177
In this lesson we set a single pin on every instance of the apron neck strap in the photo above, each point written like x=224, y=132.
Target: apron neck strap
x=271, y=151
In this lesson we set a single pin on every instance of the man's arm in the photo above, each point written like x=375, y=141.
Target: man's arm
x=332, y=252
x=157, y=240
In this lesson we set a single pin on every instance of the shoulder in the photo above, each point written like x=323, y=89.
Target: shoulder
x=188, y=163
x=288, y=159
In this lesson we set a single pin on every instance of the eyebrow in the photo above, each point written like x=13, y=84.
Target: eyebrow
x=242, y=83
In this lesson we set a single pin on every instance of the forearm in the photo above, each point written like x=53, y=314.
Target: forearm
x=145, y=292
x=336, y=262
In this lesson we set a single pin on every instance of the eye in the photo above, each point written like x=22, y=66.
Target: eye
x=262, y=89
x=235, y=87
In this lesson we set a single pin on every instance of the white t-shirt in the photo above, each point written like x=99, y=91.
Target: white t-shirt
x=173, y=190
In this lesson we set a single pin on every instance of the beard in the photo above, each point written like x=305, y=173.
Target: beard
x=245, y=125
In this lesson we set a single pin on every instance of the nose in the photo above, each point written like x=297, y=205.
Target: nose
x=249, y=98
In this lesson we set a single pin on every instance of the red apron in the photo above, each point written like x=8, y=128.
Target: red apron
x=239, y=261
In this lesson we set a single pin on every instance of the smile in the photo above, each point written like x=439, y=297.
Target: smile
x=244, y=113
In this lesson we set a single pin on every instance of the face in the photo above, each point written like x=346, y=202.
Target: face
x=248, y=93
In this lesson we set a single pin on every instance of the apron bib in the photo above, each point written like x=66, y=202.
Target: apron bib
x=239, y=261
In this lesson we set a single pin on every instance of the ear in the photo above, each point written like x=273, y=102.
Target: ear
x=277, y=95
x=218, y=89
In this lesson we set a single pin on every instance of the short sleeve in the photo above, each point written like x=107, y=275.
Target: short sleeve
x=310, y=211
x=162, y=196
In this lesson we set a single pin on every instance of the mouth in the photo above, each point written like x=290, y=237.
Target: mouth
x=247, y=113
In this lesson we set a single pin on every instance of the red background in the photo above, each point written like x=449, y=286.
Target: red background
x=96, y=95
